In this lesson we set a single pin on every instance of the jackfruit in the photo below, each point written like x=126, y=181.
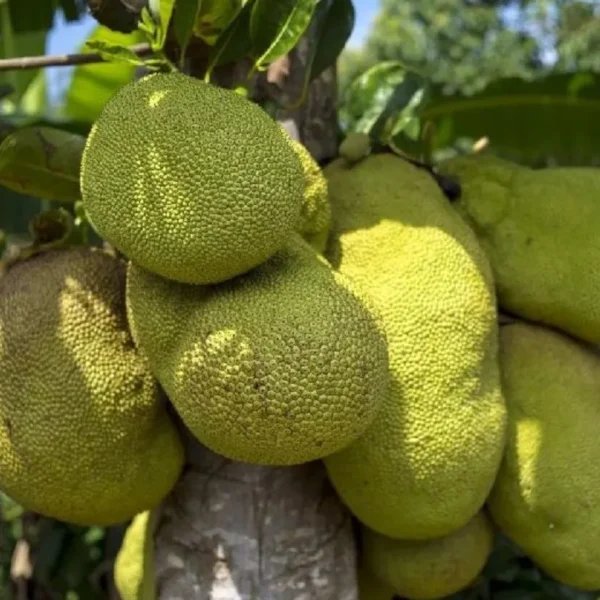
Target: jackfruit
x=355, y=147
x=281, y=366
x=84, y=437
x=315, y=215
x=428, y=461
x=191, y=181
x=134, y=565
x=539, y=228
x=546, y=497
x=371, y=588
x=425, y=570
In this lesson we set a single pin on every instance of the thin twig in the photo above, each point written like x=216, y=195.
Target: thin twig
x=63, y=60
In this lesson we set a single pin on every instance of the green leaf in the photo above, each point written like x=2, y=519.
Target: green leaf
x=214, y=17
x=399, y=114
x=112, y=52
x=34, y=100
x=333, y=35
x=552, y=120
x=233, y=43
x=93, y=84
x=21, y=44
x=162, y=11
x=10, y=509
x=276, y=26
x=333, y=21
x=184, y=20
x=383, y=102
x=29, y=16
x=42, y=162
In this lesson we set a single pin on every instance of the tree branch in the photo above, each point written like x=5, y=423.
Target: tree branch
x=63, y=60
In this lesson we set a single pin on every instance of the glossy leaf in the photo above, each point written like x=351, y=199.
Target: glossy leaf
x=42, y=162
x=276, y=26
x=552, y=120
x=93, y=84
x=383, y=100
x=184, y=20
x=112, y=52
x=334, y=33
x=234, y=42
x=214, y=18
x=162, y=11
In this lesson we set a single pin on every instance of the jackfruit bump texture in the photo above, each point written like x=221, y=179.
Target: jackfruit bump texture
x=547, y=497
x=539, y=228
x=191, y=181
x=315, y=216
x=428, y=461
x=283, y=365
x=371, y=588
x=134, y=565
x=84, y=437
x=430, y=569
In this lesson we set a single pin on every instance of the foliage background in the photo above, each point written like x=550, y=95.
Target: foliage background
x=435, y=78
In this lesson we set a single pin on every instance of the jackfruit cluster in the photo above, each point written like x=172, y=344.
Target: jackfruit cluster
x=287, y=312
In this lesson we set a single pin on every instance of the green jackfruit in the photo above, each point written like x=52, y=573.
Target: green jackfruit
x=191, y=181
x=84, y=436
x=134, y=564
x=425, y=570
x=539, y=228
x=355, y=147
x=315, y=216
x=282, y=365
x=427, y=463
x=546, y=497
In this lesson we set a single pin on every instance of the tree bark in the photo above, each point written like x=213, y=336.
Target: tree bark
x=233, y=531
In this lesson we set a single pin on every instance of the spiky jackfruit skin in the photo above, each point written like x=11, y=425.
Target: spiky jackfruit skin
x=283, y=365
x=547, y=494
x=430, y=569
x=315, y=215
x=134, y=572
x=84, y=436
x=539, y=228
x=191, y=181
x=428, y=461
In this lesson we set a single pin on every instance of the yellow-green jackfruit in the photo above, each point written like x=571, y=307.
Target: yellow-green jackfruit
x=84, y=436
x=547, y=494
x=539, y=228
x=134, y=565
x=191, y=181
x=282, y=365
x=428, y=461
x=315, y=215
x=430, y=569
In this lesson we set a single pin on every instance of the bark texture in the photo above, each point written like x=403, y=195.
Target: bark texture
x=232, y=531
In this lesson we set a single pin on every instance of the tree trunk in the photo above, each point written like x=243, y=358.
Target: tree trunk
x=232, y=531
